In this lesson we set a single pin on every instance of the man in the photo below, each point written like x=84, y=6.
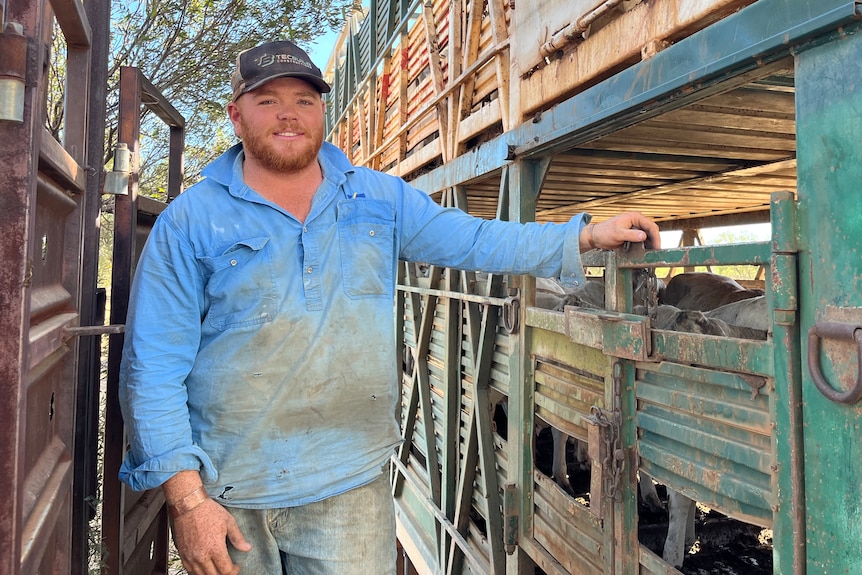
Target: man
x=258, y=382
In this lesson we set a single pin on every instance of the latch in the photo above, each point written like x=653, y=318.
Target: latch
x=87, y=330
x=616, y=334
x=117, y=180
x=512, y=311
x=608, y=424
x=614, y=456
x=511, y=513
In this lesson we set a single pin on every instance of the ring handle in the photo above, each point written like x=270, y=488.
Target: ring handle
x=839, y=331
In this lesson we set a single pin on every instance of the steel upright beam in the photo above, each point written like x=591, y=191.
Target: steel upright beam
x=125, y=219
x=92, y=307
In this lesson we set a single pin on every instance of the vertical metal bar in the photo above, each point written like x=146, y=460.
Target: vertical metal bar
x=92, y=307
x=625, y=517
x=176, y=169
x=452, y=387
x=125, y=220
x=522, y=190
x=786, y=405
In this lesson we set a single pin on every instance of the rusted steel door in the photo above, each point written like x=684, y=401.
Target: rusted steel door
x=48, y=195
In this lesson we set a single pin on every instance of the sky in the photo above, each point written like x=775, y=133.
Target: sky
x=322, y=48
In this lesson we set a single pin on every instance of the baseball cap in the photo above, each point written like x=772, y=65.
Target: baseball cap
x=257, y=66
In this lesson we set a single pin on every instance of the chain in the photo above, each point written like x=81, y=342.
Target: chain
x=613, y=460
x=647, y=285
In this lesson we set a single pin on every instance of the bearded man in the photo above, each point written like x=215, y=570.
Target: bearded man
x=258, y=381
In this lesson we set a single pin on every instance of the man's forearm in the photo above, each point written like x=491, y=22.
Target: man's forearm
x=183, y=492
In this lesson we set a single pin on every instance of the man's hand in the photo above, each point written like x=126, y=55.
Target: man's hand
x=201, y=535
x=611, y=234
x=201, y=527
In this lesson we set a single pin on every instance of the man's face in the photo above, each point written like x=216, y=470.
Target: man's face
x=280, y=124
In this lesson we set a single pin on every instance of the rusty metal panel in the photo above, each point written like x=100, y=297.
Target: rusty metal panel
x=570, y=530
x=572, y=535
x=42, y=207
x=619, y=335
x=708, y=435
x=565, y=395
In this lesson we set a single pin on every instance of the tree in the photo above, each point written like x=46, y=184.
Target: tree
x=187, y=49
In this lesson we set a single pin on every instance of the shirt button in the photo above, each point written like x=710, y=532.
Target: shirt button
x=309, y=270
x=371, y=233
x=233, y=262
x=304, y=230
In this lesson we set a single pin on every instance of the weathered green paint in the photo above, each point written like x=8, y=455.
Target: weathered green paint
x=704, y=434
x=741, y=454
x=786, y=410
x=525, y=181
x=757, y=253
x=745, y=356
x=829, y=124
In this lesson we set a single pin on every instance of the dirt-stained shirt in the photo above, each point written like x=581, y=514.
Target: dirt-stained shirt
x=261, y=350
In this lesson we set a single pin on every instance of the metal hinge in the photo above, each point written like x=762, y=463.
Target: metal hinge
x=511, y=513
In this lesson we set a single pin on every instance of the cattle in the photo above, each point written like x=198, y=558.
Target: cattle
x=703, y=291
x=749, y=313
x=591, y=293
x=668, y=317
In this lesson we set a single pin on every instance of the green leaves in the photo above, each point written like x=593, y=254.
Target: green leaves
x=187, y=49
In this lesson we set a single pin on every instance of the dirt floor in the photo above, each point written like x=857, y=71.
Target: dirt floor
x=724, y=546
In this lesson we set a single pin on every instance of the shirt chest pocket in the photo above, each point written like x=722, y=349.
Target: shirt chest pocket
x=240, y=289
x=366, y=233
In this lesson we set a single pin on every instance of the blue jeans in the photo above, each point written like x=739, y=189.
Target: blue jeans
x=351, y=533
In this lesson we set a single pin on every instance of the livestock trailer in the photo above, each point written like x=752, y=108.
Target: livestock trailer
x=699, y=114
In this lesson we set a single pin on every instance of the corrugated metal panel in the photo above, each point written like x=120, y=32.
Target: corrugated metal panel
x=569, y=532
x=707, y=434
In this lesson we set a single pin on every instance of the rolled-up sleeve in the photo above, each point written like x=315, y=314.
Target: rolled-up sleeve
x=163, y=332
x=572, y=272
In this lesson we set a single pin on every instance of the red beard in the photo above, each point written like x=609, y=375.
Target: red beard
x=284, y=158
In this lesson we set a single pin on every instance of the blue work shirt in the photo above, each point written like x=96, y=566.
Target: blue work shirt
x=260, y=350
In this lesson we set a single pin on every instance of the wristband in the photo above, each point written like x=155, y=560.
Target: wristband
x=188, y=502
x=590, y=236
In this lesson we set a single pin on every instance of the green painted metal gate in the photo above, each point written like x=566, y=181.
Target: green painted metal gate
x=829, y=111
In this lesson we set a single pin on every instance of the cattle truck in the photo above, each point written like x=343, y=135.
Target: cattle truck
x=698, y=113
